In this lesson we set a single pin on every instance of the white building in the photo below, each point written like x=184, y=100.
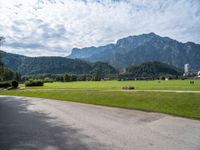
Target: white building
x=186, y=69
x=198, y=74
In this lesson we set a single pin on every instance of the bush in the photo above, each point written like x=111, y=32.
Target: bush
x=5, y=84
x=34, y=83
x=15, y=84
x=162, y=78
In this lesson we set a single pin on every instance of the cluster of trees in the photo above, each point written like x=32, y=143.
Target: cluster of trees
x=151, y=71
x=8, y=74
x=98, y=71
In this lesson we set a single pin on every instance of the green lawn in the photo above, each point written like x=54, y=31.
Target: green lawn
x=117, y=85
x=107, y=93
x=180, y=104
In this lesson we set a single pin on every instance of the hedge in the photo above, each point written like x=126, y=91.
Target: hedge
x=34, y=83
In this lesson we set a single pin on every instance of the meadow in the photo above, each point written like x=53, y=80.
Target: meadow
x=117, y=85
x=109, y=93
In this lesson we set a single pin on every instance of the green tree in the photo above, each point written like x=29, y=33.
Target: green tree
x=73, y=78
x=96, y=77
x=17, y=76
x=81, y=77
x=67, y=78
x=61, y=79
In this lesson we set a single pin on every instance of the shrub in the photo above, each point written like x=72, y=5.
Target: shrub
x=15, y=84
x=191, y=82
x=34, y=83
x=162, y=78
x=5, y=84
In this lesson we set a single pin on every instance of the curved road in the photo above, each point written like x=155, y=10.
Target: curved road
x=32, y=123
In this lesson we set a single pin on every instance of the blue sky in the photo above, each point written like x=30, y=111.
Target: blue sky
x=54, y=27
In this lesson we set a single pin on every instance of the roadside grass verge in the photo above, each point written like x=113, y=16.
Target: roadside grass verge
x=179, y=104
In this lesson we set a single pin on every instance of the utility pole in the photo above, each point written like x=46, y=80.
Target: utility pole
x=2, y=40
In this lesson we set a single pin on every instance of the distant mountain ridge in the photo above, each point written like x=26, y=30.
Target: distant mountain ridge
x=53, y=65
x=142, y=48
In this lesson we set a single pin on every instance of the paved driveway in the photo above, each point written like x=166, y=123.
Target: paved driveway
x=31, y=123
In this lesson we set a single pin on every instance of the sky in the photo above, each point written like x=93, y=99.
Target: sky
x=54, y=27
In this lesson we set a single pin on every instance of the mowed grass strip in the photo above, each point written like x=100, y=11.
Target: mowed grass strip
x=180, y=104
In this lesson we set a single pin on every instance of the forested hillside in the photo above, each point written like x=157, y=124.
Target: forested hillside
x=152, y=70
x=53, y=65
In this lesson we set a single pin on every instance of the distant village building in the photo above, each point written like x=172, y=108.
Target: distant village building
x=198, y=74
x=186, y=70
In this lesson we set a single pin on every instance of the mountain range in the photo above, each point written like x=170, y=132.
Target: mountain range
x=138, y=49
x=127, y=52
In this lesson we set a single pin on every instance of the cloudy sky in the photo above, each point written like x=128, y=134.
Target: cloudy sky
x=54, y=27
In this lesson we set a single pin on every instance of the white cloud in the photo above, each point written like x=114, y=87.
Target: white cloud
x=54, y=27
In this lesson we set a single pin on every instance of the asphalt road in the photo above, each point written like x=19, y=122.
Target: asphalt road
x=41, y=124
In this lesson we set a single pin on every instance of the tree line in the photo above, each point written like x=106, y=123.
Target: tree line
x=67, y=77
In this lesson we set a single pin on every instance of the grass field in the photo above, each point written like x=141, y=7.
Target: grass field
x=117, y=85
x=180, y=104
x=107, y=93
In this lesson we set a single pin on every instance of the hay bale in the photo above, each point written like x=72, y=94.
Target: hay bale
x=128, y=88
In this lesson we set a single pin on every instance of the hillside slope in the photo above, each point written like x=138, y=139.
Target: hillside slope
x=53, y=65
